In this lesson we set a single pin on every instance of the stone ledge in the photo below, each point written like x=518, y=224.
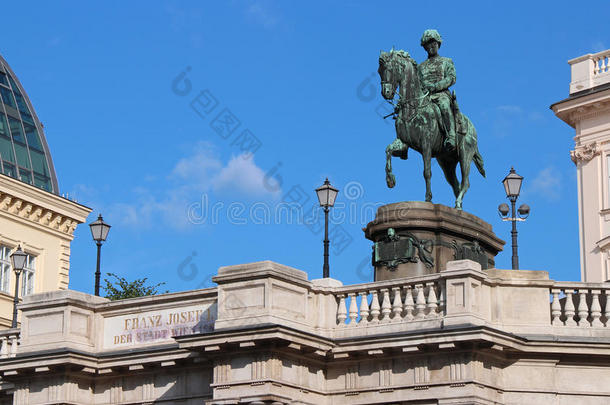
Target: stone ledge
x=258, y=270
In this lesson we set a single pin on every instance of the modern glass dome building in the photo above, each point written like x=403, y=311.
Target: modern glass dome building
x=24, y=153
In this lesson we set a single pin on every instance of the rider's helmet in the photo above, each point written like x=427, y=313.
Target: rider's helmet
x=431, y=35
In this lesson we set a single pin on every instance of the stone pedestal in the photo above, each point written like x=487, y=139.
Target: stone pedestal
x=414, y=238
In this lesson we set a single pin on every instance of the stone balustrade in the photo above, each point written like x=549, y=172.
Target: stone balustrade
x=393, y=301
x=9, y=340
x=589, y=71
x=583, y=305
x=267, y=293
x=601, y=62
x=266, y=331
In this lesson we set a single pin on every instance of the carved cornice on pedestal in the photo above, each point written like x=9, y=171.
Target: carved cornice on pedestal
x=584, y=153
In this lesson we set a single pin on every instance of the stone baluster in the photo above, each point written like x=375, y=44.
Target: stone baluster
x=607, y=311
x=441, y=299
x=568, y=309
x=341, y=311
x=556, y=308
x=13, y=346
x=397, y=305
x=353, y=309
x=583, y=309
x=386, y=306
x=375, y=307
x=364, y=307
x=409, y=305
x=4, y=348
x=420, y=303
x=432, y=301
x=596, y=309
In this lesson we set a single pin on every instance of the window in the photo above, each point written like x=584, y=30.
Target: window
x=14, y=85
x=25, y=175
x=6, y=150
x=3, y=78
x=7, y=97
x=4, y=126
x=32, y=136
x=9, y=169
x=16, y=130
x=29, y=269
x=5, y=268
x=42, y=182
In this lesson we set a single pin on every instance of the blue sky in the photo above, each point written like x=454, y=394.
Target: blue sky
x=183, y=199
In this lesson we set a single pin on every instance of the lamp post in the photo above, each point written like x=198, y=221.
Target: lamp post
x=18, y=259
x=512, y=187
x=326, y=196
x=99, y=231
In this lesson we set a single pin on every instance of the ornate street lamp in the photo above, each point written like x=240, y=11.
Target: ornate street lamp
x=512, y=187
x=18, y=259
x=99, y=231
x=326, y=196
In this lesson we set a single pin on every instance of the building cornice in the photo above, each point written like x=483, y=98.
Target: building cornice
x=40, y=208
x=573, y=110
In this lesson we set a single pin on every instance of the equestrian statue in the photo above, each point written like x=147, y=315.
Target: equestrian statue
x=427, y=116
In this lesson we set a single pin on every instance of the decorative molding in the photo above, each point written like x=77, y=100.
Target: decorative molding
x=351, y=378
x=36, y=214
x=385, y=374
x=584, y=153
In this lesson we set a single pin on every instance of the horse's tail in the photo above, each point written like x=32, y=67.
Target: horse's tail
x=478, y=161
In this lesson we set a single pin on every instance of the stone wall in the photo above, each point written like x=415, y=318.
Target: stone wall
x=267, y=334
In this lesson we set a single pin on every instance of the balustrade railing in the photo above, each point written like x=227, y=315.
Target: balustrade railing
x=601, y=63
x=9, y=339
x=384, y=302
x=580, y=304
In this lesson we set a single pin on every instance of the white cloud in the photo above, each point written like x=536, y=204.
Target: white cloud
x=508, y=118
x=242, y=176
x=510, y=109
x=260, y=13
x=547, y=183
x=598, y=46
x=165, y=200
x=198, y=168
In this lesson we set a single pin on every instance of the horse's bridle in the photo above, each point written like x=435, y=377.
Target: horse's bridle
x=405, y=103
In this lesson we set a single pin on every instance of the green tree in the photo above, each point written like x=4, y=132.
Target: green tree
x=120, y=288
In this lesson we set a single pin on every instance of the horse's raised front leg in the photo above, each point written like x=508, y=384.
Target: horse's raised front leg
x=393, y=149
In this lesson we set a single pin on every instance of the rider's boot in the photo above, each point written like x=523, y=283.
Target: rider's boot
x=450, y=139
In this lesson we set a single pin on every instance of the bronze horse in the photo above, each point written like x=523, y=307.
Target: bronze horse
x=418, y=126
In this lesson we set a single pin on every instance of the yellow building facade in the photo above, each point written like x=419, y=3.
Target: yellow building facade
x=32, y=213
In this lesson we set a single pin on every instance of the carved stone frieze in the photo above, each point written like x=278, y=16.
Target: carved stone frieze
x=39, y=215
x=584, y=153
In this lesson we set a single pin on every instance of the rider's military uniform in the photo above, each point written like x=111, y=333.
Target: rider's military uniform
x=438, y=74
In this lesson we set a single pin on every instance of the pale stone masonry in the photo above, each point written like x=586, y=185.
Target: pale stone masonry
x=268, y=335
x=587, y=110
